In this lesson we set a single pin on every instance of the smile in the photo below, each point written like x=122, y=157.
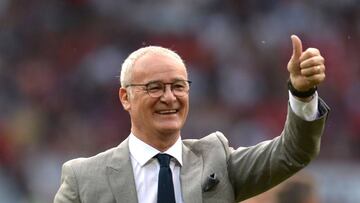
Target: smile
x=170, y=111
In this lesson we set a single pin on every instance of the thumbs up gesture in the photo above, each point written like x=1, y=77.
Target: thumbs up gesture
x=307, y=68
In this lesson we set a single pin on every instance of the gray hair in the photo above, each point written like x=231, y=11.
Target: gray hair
x=127, y=66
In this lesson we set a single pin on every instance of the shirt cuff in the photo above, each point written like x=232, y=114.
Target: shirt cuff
x=305, y=110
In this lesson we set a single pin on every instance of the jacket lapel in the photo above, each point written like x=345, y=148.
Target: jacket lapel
x=190, y=176
x=120, y=175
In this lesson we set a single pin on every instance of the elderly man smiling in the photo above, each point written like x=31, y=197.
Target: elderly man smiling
x=155, y=165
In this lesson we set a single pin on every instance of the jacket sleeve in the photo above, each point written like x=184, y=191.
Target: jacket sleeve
x=253, y=170
x=68, y=191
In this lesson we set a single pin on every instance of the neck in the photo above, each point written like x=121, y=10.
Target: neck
x=160, y=141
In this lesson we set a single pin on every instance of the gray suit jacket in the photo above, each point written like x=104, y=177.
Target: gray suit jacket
x=211, y=172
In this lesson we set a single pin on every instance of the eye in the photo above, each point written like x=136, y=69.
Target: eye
x=154, y=87
x=180, y=85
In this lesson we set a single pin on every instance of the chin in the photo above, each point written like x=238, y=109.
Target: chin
x=170, y=130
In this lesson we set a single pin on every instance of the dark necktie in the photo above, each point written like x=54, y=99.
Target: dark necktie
x=165, y=182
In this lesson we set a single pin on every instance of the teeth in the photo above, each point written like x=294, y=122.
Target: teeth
x=167, y=111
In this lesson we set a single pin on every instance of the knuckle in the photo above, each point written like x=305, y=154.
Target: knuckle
x=313, y=51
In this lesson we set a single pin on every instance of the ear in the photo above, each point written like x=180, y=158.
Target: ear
x=124, y=98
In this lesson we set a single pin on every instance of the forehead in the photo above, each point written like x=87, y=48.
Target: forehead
x=158, y=66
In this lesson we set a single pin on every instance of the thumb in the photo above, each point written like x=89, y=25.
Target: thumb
x=297, y=47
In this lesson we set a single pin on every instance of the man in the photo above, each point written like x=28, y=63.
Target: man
x=154, y=90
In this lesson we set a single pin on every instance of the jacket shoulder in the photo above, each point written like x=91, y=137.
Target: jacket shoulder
x=215, y=142
x=90, y=166
x=211, y=139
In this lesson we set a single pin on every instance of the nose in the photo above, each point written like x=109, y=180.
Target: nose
x=168, y=95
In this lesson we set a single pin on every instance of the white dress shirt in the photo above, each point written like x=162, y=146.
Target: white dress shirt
x=146, y=167
x=305, y=110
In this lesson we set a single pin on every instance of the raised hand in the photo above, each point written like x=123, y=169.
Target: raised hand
x=307, y=68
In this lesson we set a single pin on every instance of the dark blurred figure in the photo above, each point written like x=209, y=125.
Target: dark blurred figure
x=298, y=191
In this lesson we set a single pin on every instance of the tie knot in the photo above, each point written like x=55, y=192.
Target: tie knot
x=164, y=159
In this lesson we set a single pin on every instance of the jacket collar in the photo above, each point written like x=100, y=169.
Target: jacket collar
x=121, y=177
x=120, y=174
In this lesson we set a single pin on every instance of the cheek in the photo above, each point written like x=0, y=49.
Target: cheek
x=145, y=107
x=185, y=105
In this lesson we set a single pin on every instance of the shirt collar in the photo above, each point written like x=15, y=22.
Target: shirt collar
x=143, y=152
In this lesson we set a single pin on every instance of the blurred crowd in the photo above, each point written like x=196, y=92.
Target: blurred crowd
x=300, y=188
x=60, y=62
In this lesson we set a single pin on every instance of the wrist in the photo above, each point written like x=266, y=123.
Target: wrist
x=302, y=95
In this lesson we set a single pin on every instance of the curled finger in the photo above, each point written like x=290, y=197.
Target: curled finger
x=316, y=79
x=314, y=70
x=313, y=61
x=308, y=53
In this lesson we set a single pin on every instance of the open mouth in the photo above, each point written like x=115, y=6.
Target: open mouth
x=167, y=112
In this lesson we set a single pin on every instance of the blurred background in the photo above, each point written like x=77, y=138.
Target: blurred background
x=60, y=61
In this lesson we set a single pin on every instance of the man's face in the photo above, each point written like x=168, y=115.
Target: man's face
x=164, y=115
